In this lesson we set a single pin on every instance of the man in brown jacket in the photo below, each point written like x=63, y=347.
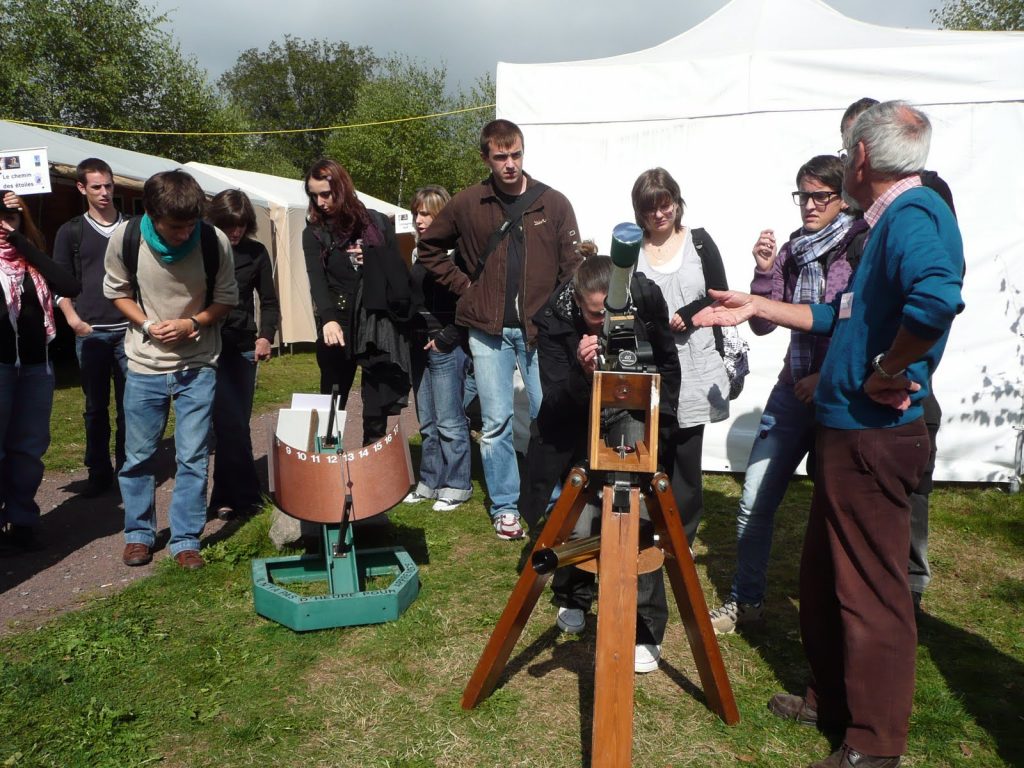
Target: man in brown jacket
x=513, y=256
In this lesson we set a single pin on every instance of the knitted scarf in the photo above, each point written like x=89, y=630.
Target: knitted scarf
x=12, y=275
x=168, y=253
x=808, y=252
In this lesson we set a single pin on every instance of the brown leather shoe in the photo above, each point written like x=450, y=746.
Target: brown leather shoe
x=189, y=559
x=847, y=757
x=795, y=708
x=137, y=554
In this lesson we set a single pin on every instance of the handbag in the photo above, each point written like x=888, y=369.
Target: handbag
x=730, y=345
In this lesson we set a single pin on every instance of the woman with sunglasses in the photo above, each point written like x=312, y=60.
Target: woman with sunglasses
x=814, y=265
x=361, y=297
x=684, y=264
x=28, y=279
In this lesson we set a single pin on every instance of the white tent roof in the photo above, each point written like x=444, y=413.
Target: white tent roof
x=764, y=56
x=734, y=106
x=280, y=190
x=70, y=150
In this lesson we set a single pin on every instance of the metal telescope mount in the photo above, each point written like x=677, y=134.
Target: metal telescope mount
x=624, y=470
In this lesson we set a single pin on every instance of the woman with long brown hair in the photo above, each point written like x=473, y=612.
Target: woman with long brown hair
x=361, y=296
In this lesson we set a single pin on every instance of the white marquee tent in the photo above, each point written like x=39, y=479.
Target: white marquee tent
x=735, y=105
x=280, y=207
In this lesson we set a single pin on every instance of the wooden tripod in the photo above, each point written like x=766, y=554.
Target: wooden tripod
x=617, y=570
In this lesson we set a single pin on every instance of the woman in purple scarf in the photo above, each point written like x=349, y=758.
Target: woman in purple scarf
x=814, y=266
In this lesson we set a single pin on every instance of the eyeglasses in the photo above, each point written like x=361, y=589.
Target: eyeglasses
x=665, y=210
x=501, y=157
x=821, y=199
x=843, y=154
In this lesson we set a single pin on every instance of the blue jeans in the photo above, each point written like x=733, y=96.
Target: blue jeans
x=147, y=401
x=101, y=357
x=236, y=483
x=494, y=359
x=26, y=399
x=784, y=436
x=444, y=462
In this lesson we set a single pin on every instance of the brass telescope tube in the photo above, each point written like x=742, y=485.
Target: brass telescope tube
x=578, y=550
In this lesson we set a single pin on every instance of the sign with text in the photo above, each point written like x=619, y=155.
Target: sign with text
x=24, y=171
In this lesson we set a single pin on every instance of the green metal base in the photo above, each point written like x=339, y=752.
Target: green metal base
x=304, y=613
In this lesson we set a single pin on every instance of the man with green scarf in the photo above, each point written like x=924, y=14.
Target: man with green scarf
x=172, y=348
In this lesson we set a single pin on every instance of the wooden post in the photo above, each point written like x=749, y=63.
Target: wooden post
x=525, y=594
x=616, y=633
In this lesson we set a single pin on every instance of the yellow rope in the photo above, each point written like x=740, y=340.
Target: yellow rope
x=250, y=133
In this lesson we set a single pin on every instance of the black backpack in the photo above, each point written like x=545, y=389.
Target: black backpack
x=130, y=254
x=208, y=243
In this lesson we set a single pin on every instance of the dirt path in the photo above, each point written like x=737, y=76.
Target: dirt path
x=83, y=537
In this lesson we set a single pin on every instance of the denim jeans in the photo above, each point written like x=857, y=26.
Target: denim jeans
x=101, y=357
x=494, y=359
x=147, y=401
x=236, y=483
x=444, y=462
x=26, y=399
x=784, y=436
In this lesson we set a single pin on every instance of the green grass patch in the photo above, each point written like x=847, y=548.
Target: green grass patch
x=178, y=670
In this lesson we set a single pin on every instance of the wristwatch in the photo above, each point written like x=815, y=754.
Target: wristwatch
x=146, y=325
x=876, y=363
x=195, y=324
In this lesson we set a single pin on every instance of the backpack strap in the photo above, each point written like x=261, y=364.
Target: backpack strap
x=513, y=213
x=211, y=258
x=130, y=255
x=76, y=228
x=697, y=236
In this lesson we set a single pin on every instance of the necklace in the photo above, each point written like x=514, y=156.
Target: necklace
x=659, y=254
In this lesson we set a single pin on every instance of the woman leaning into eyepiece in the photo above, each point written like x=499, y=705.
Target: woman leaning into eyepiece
x=684, y=264
x=28, y=278
x=236, y=485
x=361, y=296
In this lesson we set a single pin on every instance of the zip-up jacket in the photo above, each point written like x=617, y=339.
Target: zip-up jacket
x=550, y=241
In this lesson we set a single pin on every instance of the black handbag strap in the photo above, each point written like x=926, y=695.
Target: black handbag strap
x=513, y=213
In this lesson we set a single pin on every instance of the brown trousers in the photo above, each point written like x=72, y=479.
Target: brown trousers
x=856, y=613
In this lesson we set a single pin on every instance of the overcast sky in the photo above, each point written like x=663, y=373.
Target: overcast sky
x=469, y=36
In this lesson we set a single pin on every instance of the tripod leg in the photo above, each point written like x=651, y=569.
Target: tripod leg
x=690, y=598
x=525, y=594
x=616, y=633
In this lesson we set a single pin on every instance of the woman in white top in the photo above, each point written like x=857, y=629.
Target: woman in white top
x=684, y=263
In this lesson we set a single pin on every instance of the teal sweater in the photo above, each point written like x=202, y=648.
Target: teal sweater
x=910, y=275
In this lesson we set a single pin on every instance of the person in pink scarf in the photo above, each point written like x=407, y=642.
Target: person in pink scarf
x=28, y=279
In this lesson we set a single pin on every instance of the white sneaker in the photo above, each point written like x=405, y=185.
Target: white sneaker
x=507, y=526
x=726, y=618
x=446, y=505
x=646, y=658
x=415, y=498
x=571, y=620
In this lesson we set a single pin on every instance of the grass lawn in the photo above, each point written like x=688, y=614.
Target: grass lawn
x=178, y=670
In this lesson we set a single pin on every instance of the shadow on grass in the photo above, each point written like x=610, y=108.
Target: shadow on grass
x=78, y=521
x=988, y=684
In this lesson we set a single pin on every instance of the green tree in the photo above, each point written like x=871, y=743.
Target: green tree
x=391, y=159
x=296, y=84
x=980, y=14
x=107, y=63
